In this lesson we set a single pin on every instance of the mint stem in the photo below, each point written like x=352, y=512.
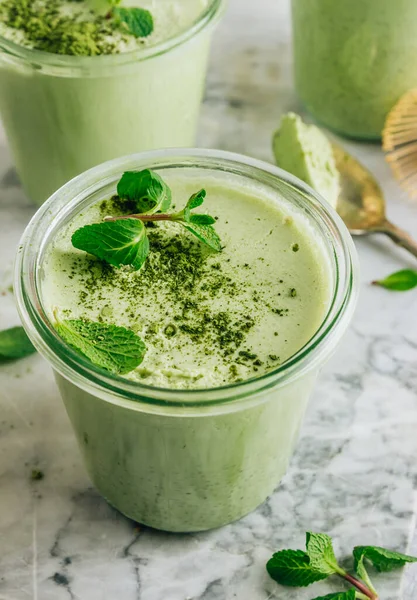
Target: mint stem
x=157, y=217
x=358, y=585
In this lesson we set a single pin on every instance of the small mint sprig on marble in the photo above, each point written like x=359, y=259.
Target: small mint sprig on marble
x=297, y=568
x=123, y=240
x=136, y=21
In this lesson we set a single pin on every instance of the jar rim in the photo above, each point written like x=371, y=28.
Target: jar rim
x=64, y=203
x=71, y=65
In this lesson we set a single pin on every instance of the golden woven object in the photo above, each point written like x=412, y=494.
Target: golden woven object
x=399, y=141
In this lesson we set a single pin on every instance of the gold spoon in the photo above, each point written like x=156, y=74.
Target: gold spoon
x=361, y=203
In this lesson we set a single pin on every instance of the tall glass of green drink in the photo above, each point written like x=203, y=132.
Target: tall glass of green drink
x=64, y=113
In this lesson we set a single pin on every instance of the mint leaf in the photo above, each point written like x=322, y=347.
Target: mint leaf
x=117, y=349
x=382, y=559
x=14, y=343
x=147, y=189
x=401, y=281
x=205, y=233
x=293, y=568
x=138, y=21
x=202, y=219
x=122, y=242
x=194, y=201
x=349, y=595
x=199, y=225
x=359, y=555
x=321, y=553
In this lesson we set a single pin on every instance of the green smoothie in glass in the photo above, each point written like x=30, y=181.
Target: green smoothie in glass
x=353, y=60
x=79, y=84
x=231, y=310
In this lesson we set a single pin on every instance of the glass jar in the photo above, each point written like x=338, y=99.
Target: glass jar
x=186, y=460
x=353, y=60
x=65, y=114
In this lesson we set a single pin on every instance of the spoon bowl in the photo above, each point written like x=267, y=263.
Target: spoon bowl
x=361, y=203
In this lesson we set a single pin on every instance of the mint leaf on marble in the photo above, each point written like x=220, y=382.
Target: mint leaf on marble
x=349, y=595
x=381, y=558
x=14, y=344
x=116, y=349
x=137, y=21
x=321, y=554
x=401, y=281
x=293, y=568
x=298, y=568
x=360, y=569
x=121, y=242
x=147, y=189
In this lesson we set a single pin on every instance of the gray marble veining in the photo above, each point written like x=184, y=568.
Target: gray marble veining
x=354, y=472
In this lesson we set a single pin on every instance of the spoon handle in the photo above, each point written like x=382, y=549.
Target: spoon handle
x=399, y=236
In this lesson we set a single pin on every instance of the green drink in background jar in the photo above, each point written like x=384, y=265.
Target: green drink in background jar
x=78, y=87
x=353, y=60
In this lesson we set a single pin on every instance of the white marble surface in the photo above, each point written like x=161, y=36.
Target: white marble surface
x=354, y=472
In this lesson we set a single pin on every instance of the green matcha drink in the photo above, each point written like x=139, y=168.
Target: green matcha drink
x=207, y=318
x=353, y=60
x=78, y=86
x=209, y=323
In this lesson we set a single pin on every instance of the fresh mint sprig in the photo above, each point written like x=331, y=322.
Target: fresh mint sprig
x=298, y=568
x=152, y=194
x=137, y=21
x=14, y=344
x=123, y=240
x=400, y=281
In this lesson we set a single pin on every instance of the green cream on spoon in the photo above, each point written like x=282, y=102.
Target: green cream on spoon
x=304, y=151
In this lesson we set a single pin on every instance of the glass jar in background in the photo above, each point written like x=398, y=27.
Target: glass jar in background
x=353, y=60
x=186, y=460
x=65, y=114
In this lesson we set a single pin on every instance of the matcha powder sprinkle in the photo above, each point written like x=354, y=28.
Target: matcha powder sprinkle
x=62, y=28
x=187, y=299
